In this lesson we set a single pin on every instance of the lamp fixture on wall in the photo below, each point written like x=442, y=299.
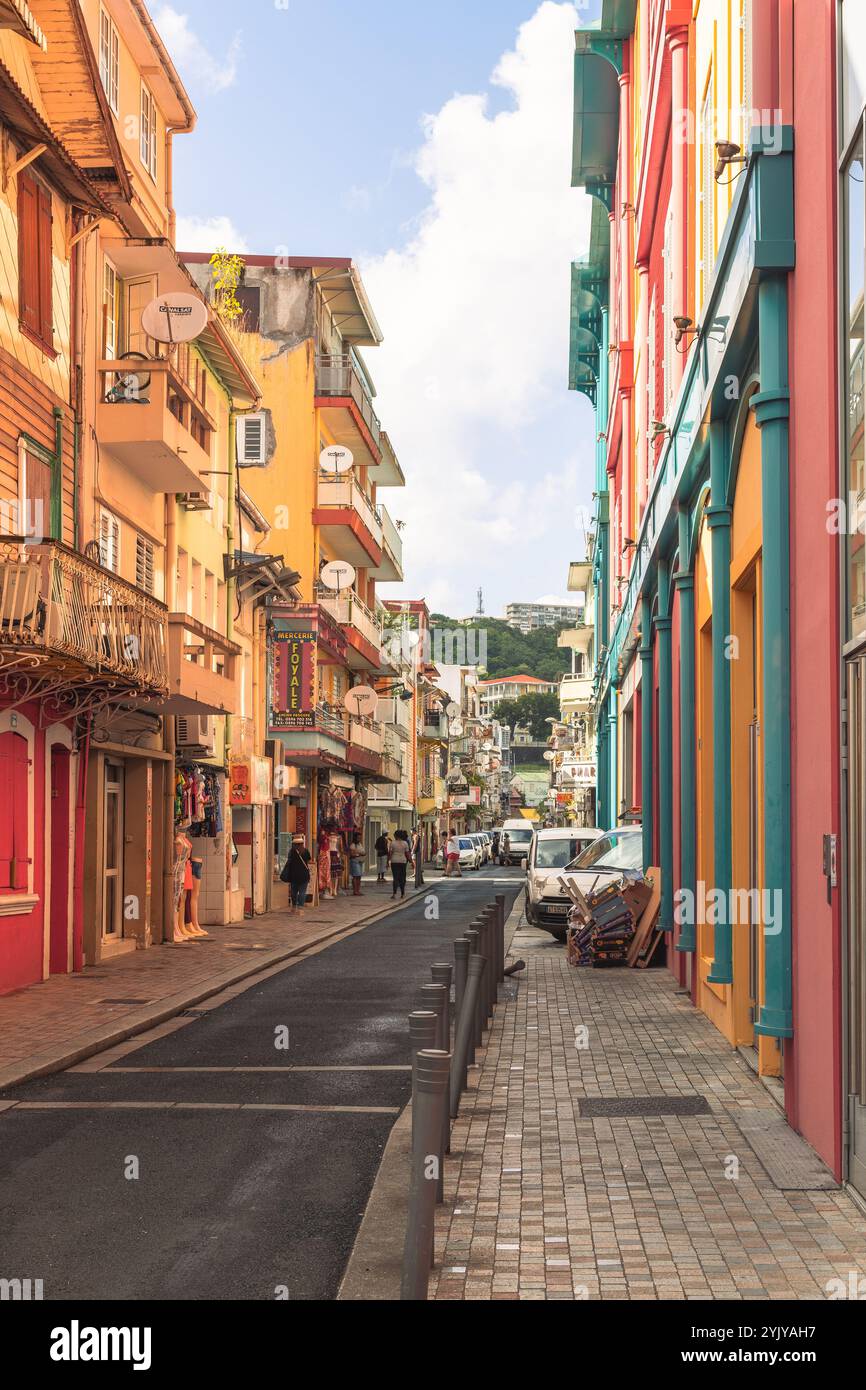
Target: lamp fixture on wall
x=727, y=153
x=684, y=326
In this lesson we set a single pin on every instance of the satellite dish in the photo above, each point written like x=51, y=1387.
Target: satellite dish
x=339, y=574
x=174, y=318
x=452, y=710
x=455, y=729
x=548, y=756
x=336, y=459
x=361, y=700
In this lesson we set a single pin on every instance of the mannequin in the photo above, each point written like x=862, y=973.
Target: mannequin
x=196, y=866
x=182, y=876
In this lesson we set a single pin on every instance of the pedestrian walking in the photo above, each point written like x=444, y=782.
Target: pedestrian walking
x=382, y=848
x=452, y=856
x=356, y=865
x=296, y=873
x=418, y=857
x=506, y=849
x=401, y=858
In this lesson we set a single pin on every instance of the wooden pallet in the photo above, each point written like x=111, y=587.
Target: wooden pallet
x=646, y=938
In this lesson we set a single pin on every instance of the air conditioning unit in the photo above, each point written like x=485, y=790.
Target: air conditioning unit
x=195, y=733
x=197, y=501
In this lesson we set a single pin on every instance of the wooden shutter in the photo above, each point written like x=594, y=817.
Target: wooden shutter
x=28, y=252
x=144, y=564
x=38, y=488
x=46, y=307
x=14, y=813
x=109, y=541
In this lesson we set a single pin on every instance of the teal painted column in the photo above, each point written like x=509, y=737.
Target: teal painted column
x=646, y=726
x=603, y=768
x=666, y=748
x=771, y=405
x=612, y=750
x=719, y=521
x=684, y=582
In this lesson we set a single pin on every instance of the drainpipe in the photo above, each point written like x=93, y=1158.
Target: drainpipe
x=646, y=733
x=168, y=735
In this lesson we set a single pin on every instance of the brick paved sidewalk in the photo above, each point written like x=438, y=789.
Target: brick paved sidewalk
x=68, y=1014
x=544, y=1203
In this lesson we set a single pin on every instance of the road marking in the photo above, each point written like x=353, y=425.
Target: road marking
x=199, y=1105
x=125, y=1071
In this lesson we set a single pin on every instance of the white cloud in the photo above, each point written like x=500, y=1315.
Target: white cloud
x=195, y=63
x=208, y=233
x=475, y=314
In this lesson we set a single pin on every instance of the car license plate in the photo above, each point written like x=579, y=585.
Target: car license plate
x=557, y=909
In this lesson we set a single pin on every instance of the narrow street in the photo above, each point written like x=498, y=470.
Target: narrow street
x=252, y=1165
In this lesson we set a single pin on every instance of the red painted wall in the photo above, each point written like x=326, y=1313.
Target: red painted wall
x=813, y=1062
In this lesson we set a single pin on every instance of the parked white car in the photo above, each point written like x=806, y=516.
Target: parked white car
x=605, y=858
x=519, y=834
x=550, y=853
x=470, y=852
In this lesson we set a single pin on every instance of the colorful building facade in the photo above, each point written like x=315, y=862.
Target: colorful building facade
x=705, y=137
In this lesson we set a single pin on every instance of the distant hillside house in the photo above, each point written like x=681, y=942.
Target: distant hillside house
x=511, y=688
x=529, y=617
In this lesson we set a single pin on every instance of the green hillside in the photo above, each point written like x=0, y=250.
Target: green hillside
x=513, y=653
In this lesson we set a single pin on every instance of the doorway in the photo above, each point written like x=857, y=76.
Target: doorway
x=60, y=928
x=112, y=854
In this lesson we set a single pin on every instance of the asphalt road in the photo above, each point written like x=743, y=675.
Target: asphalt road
x=168, y=1183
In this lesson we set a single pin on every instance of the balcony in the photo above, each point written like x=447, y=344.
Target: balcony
x=346, y=405
x=359, y=626
x=397, y=714
x=201, y=668
x=388, y=473
x=159, y=430
x=390, y=571
x=351, y=528
x=79, y=621
x=433, y=726
x=575, y=692
x=364, y=751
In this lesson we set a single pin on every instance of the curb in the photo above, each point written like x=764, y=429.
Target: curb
x=375, y=1266
x=77, y=1048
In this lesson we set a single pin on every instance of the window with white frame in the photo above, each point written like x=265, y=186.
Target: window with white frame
x=148, y=131
x=252, y=440
x=109, y=59
x=109, y=541
x=111, y=304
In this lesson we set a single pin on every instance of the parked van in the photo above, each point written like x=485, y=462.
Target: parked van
x=519, y=834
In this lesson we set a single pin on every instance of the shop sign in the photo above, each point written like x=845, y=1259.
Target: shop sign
x=250, y=782
x=293, y=692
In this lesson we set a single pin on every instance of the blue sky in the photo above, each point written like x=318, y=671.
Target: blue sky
x=431, y=144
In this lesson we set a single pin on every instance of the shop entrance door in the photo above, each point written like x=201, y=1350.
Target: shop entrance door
x=856, y=914
x=112, y=895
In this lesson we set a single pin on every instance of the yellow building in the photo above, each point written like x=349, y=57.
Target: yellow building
x=313, y=460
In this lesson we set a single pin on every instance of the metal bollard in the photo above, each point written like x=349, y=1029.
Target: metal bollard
x=423, y=1034
x=443, y=974
x=478, y=949
x=474, y=950
x=430, y=1073
x=461, y=960
x=465, y=1032
x=436, y=997
x=500, y=938
x=487, y=950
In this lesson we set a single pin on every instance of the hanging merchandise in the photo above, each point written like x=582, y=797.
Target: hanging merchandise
x=198, y=800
